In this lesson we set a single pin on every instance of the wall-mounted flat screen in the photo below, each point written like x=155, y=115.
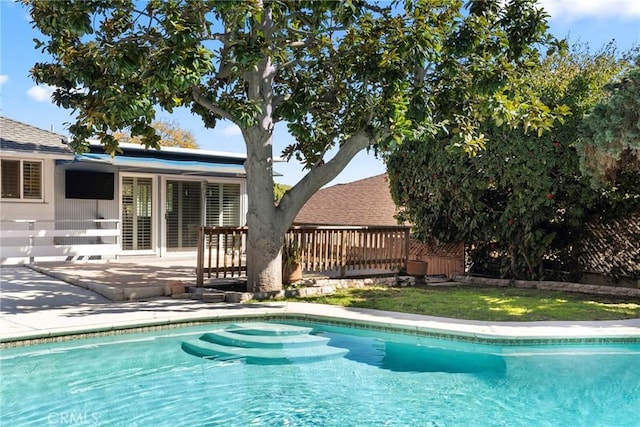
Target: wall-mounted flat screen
x=83, y=184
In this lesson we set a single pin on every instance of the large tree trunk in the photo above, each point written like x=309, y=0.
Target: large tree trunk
x=264, y=262
x=265, y=222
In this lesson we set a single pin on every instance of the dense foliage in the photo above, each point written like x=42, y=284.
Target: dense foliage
x=279, y=190
x=344, y=75
x=610, y=143
x=170, y=133
x=520, y=203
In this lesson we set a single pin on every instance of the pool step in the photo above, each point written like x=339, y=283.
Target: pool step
x=263, y=343
x=268, y=329
x=234, y=339
x=262, y=356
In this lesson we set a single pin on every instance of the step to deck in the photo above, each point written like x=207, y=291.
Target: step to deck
x=213, y=296
x=263, y=343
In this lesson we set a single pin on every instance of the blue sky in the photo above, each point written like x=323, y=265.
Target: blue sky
x=595, y=22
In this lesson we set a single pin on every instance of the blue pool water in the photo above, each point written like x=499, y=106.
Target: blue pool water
x=376, y=379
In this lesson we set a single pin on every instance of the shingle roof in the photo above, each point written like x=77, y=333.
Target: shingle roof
x=18, y=136
x=364, y=202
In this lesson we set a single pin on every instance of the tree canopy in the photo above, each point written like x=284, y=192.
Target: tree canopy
x=610, y=134
x=343, y=75
x=279, y=190
x=170, y=133
x=523, y=200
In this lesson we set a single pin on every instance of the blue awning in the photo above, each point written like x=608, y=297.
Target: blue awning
x=147, y=164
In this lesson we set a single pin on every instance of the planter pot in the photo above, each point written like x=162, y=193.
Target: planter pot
x=291, y=273
x=417, y=268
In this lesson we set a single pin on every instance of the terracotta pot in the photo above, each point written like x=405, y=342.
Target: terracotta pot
x=417, y=268
x=291, y=273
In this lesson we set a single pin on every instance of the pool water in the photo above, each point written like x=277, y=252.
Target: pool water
x=379, y=379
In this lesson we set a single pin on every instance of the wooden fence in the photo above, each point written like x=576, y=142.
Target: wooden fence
x=446, y=259
x=61, y=239
x=221, y=250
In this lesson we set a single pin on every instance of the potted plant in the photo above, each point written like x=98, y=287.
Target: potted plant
x=416, y=268
x=291, y=257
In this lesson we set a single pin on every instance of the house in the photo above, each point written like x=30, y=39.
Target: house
x=368, y=202
x=56, y=204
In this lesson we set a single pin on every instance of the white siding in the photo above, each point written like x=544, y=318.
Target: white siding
x=81, y=209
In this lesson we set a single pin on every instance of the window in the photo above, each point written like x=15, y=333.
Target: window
x=21, y=179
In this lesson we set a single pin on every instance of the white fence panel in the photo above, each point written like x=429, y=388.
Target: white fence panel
x=30, y=240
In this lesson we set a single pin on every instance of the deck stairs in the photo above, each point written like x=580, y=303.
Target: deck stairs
x=263, y=343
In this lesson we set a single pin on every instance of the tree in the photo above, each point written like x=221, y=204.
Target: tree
x=344, y=74
x=610, y=134
x=279, y=191
x=522, y=200
x=171, y=135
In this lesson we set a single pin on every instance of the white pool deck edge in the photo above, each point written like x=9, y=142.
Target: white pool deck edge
x=34, y=306
x=110, y=317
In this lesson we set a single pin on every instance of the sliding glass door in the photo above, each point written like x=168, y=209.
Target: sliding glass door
x=137, y=213
x=223, y=205
x=183, y=214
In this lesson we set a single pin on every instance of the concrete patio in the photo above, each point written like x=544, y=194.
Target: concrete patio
x=140, y=278
x=124, y=279
x=38, y=307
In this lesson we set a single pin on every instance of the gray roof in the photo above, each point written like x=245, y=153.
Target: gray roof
x=21, y=137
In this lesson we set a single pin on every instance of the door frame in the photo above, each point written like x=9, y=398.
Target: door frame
x=204, y=180
x=154, y=216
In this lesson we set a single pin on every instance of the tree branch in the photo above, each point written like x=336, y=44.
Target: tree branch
x=221, y=37
x=292, y=63
x=299, y=44
x=203, y=101
x=321, y=174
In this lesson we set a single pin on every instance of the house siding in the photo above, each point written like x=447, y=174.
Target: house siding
x=32, y=209
x=72, y=226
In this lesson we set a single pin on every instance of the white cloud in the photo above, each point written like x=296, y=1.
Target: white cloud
x=41, y=93
x=231, y=130
x=571, y=10
x=3, y=79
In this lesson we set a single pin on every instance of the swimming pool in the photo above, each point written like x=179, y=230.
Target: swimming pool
x=374, y=378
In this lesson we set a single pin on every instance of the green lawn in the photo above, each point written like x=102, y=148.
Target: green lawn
x=485, y=303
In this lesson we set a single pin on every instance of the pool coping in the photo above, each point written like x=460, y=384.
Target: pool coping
x=51, y=326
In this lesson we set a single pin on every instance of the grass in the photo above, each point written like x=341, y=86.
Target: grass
x=485, y=303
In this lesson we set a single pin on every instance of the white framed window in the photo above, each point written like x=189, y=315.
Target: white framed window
x=21, y=179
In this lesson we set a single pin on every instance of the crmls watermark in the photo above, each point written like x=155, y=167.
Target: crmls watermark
x=73, y=418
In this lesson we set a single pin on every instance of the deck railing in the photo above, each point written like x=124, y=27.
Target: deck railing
x=31, y=239
x=222, y=250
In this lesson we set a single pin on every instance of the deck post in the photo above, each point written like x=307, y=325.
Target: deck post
x=343, y=255
x=200, y=259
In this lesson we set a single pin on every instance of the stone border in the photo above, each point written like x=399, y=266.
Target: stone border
x=309, y=287
x=553, y=286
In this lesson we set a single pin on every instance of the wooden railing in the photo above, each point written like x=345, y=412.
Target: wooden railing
x=31, y=239
x=222, y=250
x=351, y=248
